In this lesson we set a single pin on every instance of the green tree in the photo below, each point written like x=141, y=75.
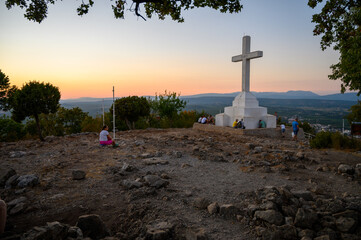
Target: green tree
x=33, y=99
x=37, y=10
x=355, y=114
x=5, y=91
x=168, y=105
x=71, y=119
x=307, y=128
x=131, y=109
x=339, y=25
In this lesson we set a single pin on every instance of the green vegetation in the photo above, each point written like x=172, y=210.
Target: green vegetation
x=334, y=140
x=5, y=91
x=10, y=130
x=37, y=10
x=33, y=99
x=339, y=25
x=355, y=114
x=131, y=109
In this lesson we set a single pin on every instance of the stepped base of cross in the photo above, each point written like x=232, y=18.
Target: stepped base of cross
x=245, y=106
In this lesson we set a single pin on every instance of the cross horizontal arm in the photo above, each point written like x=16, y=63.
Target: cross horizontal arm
x=256, y=54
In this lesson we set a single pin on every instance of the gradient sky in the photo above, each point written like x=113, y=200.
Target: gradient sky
x=86, y=56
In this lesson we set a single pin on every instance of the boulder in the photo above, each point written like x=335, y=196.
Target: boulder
x=128, y=184
x=30, y=180
x=159, y=231
x=306, y=195
x=213, y=208
x=17, y=209
x=52, y=231
x=228, y=211
x=17, y=154
x=92, y=226
x=345, y=224
x=305, y=218
x=201, y=203
x=358, y=170
x=12, y=181
x=271, y=216
x=344, y=168
x=78, y=174
x=155, y=181
x=5, y=174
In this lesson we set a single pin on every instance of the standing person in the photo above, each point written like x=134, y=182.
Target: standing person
x=2, y=215
x=283, y=130
x=295, y=128
x=105, y=138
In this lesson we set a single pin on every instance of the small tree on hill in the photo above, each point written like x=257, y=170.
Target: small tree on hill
x=71, y=119
x=355, y=114
x=168, y=105
x=33, y=99
x=131, y=109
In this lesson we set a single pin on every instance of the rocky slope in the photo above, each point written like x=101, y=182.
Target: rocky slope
x=179, y=184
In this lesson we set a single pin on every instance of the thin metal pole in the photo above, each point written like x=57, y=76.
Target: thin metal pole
x=113, y=115
x=103, y=113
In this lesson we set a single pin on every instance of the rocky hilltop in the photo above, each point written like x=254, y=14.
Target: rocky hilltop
x=179, y=184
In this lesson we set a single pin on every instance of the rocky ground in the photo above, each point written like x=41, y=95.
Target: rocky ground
x=179, y=184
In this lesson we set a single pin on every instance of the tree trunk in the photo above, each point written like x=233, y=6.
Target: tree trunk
x=38, y=127
x=128, y=124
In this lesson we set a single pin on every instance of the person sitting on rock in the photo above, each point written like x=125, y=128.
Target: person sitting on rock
x=105, y=138
x=235, y=123
x=262, y=124
x=2, y=215
x=204, y=120
x=240, y=124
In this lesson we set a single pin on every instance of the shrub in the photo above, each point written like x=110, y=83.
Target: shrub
x=334, y=140
x=11, y=130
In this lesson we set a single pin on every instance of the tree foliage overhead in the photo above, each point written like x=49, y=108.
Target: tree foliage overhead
x=33, y=99
x=339, y=25
x=37, y=10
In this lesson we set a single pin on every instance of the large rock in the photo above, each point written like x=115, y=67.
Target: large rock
x=159, y=231
x=305, y=218
x=155, y=181
x=345, y=224
x=5, y=174
x=201, y=203
x=12, y=181
x=52, y=231
x=17, y=154
x=92, y=226
x=344, y=168
x=129, y=184
x=78, y=174
x=228, y=211
x=271, y=216
x=306, y=195
x=358, y=170
x=28, y=181
x=213, y=208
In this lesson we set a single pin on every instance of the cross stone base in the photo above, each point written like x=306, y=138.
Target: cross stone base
x=245, y=106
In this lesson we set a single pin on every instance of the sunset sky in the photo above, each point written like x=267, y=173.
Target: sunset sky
x=86, y=56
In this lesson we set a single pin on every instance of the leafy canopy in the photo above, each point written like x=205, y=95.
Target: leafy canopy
x=355, y=114
x=33, y=99
x=131, y=109
x=37, y=10
x=168, y=104
x=339, y=25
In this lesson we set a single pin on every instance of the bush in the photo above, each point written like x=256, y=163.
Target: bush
x=334, y=140
x=10, y=130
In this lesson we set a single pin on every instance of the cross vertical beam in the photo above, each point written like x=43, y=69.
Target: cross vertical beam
x=245, y=57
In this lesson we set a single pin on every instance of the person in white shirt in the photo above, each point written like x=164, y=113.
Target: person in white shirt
x=283, y=130
x=204, y=120
x=105, y=138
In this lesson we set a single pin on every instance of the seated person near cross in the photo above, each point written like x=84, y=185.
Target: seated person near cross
x=105, y=138
x=235, y=123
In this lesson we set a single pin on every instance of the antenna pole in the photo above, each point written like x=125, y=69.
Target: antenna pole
x=103, y=113
x=113, y=115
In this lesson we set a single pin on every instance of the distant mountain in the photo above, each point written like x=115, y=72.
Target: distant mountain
x=352, y=96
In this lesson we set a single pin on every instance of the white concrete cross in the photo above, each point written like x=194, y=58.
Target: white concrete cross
x=245, y=57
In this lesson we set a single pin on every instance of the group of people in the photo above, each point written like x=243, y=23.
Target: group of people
x=206, y=120
x=295, y=129
x=239, y=124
